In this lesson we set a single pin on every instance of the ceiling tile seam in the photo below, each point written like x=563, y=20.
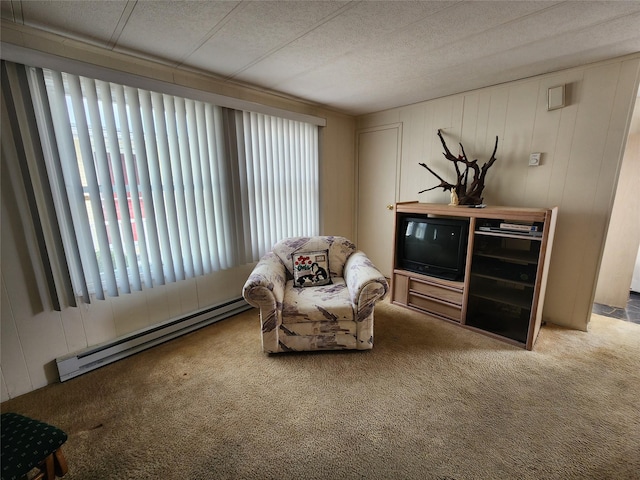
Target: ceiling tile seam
x=491, y=85
x=391, y=32
x=213, y=31
x=530, y=76
x=585, y=27
x=122, y=23
x=421, y=19
x=575, y=30
x=552, y=7
x=459, y=40
x=533, y=42
x=463, y=39
x=275, y=49
x=496, y=27
x=359, y=111
x=467, y=38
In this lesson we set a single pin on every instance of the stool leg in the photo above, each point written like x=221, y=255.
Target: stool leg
x=60, y=463
x=49, y=468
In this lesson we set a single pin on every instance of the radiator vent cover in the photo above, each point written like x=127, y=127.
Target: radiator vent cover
x=72, y=365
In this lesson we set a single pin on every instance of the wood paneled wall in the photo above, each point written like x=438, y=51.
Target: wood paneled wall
x=581, y=145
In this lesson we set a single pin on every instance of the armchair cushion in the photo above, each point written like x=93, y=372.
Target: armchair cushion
x=329, y=303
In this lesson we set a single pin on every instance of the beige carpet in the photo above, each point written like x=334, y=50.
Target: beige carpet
x=430, y=401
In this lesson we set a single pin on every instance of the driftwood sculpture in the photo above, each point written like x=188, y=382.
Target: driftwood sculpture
x=463, y=192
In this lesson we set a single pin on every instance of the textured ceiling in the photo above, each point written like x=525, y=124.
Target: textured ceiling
x=354, y=57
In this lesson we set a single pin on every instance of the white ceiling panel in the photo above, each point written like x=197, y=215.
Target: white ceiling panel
x=172, y=30
x=359, y=28
x=258, y=30
x=425, y=45
x=549, y=53
x=463, y=21
x=351, y=56
x=549, y=33
x=94, y=21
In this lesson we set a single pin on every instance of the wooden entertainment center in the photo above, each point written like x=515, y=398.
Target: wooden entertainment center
x=505, y=274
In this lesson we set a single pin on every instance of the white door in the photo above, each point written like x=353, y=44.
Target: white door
x=378, y=159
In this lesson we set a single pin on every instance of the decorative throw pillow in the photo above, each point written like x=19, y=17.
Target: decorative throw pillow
x=311, y=269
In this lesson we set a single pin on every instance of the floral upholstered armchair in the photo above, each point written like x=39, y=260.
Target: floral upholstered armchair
x=315, y=293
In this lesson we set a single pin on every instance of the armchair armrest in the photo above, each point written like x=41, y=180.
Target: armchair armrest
x=264, y=289
x=265, y=286
x=365, y=283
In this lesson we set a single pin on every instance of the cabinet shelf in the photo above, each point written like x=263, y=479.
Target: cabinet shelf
x=511, y=327
x=505, y=295
x=502, y=279
x=521, y=256
x=523, y=236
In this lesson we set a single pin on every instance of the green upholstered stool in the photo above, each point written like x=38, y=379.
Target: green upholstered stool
x=29, y=444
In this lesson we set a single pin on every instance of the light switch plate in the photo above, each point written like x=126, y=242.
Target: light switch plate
x=534, y=159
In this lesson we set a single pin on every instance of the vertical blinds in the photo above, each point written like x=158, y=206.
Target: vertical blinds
x=151, y=188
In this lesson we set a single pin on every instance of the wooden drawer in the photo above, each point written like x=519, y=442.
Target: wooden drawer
x=400, y=288
x=453, y=312
x=441, y=292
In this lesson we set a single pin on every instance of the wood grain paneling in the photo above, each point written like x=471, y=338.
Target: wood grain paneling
x=4, y=389
x=581, y=153
x=16, y=378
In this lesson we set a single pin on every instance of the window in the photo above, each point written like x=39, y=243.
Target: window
x=151, y=188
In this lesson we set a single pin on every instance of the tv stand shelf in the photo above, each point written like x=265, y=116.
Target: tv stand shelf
x=505, y=272
x=510, y=255
x=509, y=235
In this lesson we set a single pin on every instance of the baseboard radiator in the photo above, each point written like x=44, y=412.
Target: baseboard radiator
x=75, y=364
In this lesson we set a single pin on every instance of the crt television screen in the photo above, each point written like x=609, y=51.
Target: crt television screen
x=432, y=243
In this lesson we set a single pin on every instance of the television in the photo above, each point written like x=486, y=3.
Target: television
x=432, y=246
